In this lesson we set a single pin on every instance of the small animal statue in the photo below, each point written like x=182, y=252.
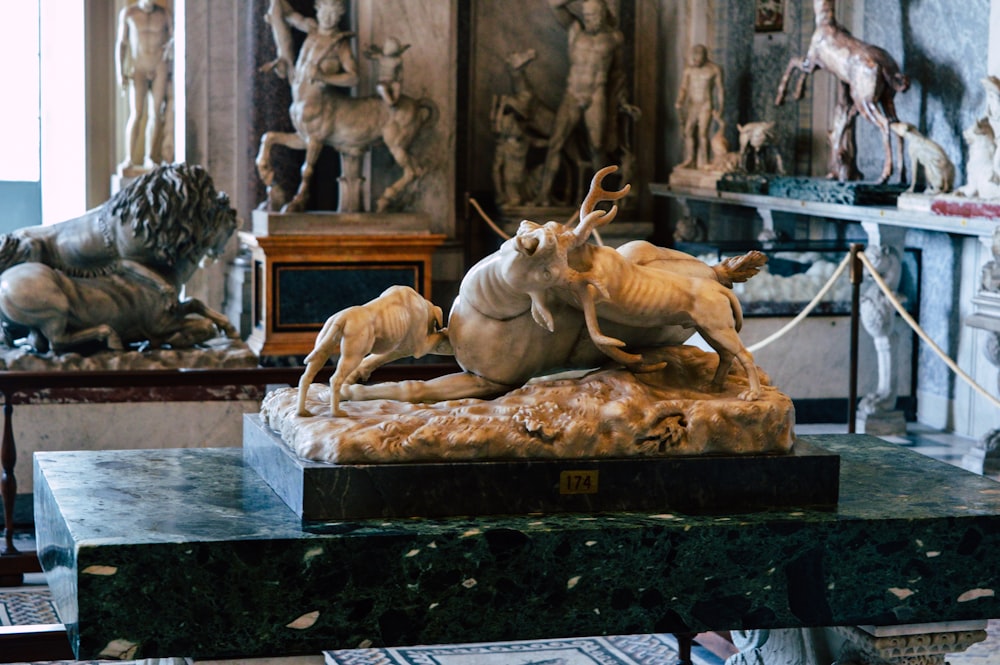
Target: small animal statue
x=722, y=160
x=868, y=75
x=389, y=60
x=399, y=323
x=939, y=172
x=982, y=181
x=757, y=151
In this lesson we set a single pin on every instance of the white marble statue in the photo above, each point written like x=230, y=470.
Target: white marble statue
x=612, y=287
x=981, y=180
x=397, y=324
x=595, y=93
x=700, y=100
x=939, y=172
x=323, y=112
x=507, y=326
x=145, y=59
x=548, y=301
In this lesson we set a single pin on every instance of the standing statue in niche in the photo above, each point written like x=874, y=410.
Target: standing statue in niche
x=869, y=80
x=145, y=58
x=519, y=122
x=322, y=113
x=595, y=91
x=699, y=101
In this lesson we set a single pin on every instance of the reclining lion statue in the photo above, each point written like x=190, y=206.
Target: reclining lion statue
x=84, y=280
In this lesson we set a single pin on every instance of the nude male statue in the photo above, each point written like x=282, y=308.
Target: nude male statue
x=700, y=99
x=595, y=82
x=145, y=51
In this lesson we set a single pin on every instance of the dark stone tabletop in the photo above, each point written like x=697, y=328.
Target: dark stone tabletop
x=188, y=552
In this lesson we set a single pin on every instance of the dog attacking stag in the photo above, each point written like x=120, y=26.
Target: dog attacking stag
x=548, y=300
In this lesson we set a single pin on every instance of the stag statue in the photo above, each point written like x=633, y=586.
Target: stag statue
x=322, y=113
x=519, y=315
x=869, y=79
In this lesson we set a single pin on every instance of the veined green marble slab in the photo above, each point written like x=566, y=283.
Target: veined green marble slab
x=188, y=552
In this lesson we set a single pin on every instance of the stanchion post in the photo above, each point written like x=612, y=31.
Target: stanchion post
x=857, y=273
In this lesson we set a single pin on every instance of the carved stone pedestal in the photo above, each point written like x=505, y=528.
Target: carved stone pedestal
x=307, y=267
x=920, y=644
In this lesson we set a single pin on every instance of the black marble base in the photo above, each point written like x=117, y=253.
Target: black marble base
x=743, y=183
x=807, y=477
x=832, y=191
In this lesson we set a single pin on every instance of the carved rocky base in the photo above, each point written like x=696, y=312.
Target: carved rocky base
x=608, y=413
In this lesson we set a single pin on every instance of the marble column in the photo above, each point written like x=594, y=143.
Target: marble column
x=877, y=413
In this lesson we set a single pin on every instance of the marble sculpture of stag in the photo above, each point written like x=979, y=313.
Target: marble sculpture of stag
x=869, y=77
x=607, y=285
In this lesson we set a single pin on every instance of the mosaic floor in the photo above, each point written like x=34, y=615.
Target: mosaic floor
x=31, y=604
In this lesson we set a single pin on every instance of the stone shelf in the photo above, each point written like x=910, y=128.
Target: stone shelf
x=889, y=215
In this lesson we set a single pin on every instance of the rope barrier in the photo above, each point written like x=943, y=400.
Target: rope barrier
x=920, y=332
x=805, y=312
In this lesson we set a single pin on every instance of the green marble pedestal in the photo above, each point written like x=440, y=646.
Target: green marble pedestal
x=189, y=552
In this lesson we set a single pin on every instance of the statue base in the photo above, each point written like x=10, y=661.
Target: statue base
x=807, y=477
x=743, y=183
x=219, y=353
x=915, y=202
x=325, y=223
x=882, y=423
x=694, y=178
x=823, y=190
x=953, y=205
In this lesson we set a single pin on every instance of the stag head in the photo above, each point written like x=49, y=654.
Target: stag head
x=542, y=251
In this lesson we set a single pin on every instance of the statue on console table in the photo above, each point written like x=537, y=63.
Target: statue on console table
x=112, y=277
x=700, y=100
x=322, y=113
x=595, y=95
x=145, y=59
x=548, y=300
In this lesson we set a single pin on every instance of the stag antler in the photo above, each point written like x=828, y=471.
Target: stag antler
x=591, y=218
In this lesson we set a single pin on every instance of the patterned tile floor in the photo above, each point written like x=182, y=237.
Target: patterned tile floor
x=30, y=602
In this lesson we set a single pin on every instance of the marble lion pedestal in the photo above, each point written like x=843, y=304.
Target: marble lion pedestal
x=306, y=266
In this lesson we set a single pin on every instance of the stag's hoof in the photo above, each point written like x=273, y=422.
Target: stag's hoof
x=750, y=395
x=340, y=413
x=646, y=369
x=304, y=413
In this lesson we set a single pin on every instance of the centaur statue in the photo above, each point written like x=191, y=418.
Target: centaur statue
x=323, y=114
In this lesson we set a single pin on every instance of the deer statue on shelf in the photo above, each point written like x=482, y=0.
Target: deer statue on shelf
x=869, y=78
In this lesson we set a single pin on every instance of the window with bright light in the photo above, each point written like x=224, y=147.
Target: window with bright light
x=19, y=112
